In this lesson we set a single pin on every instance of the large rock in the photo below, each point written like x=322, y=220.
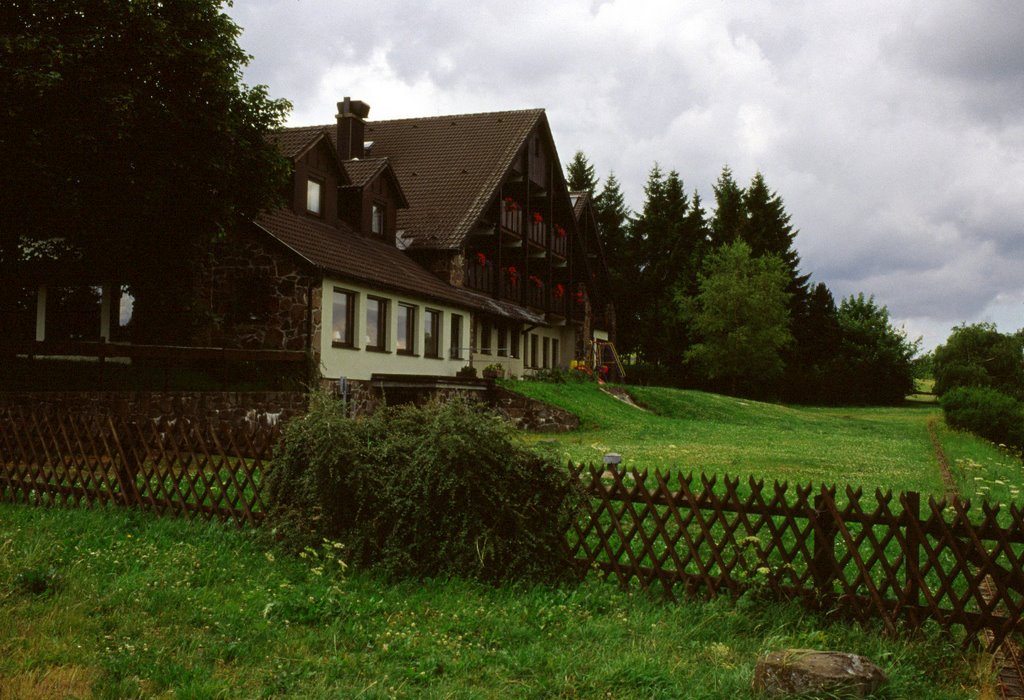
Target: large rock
x=798, y=671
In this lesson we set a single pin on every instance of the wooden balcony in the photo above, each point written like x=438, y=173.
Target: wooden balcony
x=480, y=276
x=538, y=235
x=536, y=296
x=511, y=217
x=558, y=302
x=560, y=242
x=510, y=288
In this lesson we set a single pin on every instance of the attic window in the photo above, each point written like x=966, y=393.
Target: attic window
x=314, y=196
x=377, y=219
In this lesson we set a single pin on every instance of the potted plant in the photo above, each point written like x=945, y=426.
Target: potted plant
x=493, y=371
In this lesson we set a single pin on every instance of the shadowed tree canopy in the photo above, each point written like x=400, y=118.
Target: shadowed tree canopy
x=126, y=131
x=874, y=364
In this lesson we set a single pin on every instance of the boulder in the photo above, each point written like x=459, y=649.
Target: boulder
x=798, y=671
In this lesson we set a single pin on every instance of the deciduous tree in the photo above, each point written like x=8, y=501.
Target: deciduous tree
x=741, y=318
x=126, y=130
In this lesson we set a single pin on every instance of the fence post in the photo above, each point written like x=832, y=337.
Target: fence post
x=911, y=518
x=823, y=566
x=128, y=464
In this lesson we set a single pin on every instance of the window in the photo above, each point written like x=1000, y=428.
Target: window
x=485, y=337
x=314, y=196
x=514, y=350
x=554, y=352
x=343, y=319
x=377, y=219
x=547, y=348
x=456, y=337
x=533, y=350
x=432, y=333
x=406, y=341
x=376, y=324
x=502, y=341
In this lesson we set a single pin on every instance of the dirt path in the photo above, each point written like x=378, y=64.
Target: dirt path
x=1009, y=658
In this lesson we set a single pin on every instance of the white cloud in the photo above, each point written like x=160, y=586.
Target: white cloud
x=894, y=131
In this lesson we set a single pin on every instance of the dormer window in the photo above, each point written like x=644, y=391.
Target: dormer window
x=377, y=219
x=314, y=196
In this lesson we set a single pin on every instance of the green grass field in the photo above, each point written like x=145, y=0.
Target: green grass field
x=120, y=604
x=694, y=431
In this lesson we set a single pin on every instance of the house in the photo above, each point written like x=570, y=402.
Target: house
x=410, y=247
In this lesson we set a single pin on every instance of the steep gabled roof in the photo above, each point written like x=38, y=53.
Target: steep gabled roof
x=362, y=171
x=449, y=167
x=343, y=252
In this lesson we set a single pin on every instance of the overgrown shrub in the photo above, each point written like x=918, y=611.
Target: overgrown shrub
x=985, y=412
x=447, y=489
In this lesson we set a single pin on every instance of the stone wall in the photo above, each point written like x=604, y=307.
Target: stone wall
x=531, y=414
x=258, y=296
x=238, y=410
x=244, y=410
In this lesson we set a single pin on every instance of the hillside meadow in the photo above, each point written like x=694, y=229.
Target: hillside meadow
x=692, y=431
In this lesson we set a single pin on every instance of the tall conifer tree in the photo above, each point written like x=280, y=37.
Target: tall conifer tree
x=580, y=175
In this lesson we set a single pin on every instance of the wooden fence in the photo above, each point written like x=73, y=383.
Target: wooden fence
x=179, y=466
x=881, y=556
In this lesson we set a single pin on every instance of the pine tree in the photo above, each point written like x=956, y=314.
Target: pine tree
x=767, y=230
x=580, y=175
x=612, y=222
x=730, y=212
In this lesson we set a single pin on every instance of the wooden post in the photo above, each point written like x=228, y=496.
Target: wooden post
x=911, y=524
x=823, y=563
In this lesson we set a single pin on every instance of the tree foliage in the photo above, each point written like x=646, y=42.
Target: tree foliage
x=127, y=131
x=875, y=361
x=741, y=318
x=979, y=355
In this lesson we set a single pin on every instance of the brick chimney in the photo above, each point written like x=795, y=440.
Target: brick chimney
x=352, y=116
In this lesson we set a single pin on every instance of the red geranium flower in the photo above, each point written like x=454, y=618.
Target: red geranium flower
x=482, y=259
x=538, y=218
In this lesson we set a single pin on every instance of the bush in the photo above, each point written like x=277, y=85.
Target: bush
x=985, y=412
x=442, y=490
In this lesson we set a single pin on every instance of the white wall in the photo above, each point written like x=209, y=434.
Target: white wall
x=359, y=363
x=520, y=366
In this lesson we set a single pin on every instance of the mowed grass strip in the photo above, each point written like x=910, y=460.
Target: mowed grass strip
x=120, y=604
x=695, y=431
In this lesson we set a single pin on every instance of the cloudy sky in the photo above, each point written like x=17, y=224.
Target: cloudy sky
x=893, y=131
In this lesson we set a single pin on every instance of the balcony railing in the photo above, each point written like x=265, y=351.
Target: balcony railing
x=509, y=288
x=558, y=303
x=560, y=241
x=536, y=296
x=512, y=217
x=480, y=276
x=538, y=229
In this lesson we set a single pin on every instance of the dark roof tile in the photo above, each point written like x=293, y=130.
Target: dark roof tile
x=345, y=253
x=449, y=167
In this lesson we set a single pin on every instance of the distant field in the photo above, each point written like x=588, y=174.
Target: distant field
x=695, y=431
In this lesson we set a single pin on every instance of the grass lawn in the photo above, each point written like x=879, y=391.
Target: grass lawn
x=696, y=431
x=120, y=604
